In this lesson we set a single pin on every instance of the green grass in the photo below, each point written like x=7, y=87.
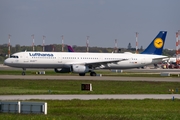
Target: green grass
x=74, y=87
x=147, y=109
x=105, y=110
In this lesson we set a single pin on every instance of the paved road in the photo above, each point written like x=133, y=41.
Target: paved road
x=89, y=97
x=46, y=77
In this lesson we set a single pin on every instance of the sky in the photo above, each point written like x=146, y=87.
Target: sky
x=102, y=20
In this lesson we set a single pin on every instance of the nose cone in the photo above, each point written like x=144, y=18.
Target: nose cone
x=7, y=61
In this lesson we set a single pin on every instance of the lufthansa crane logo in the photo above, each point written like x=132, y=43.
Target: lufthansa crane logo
x=158, y=42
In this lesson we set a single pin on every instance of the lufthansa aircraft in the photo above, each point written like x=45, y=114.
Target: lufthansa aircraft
x=82, y=63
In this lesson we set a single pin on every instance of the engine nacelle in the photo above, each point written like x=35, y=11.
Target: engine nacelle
x=62, y=70
x=80, y=69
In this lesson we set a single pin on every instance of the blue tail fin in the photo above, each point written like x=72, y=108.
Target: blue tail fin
x=70, y=49
x=156, y=46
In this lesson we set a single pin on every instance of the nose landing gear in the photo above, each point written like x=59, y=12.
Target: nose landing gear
x=24, y=71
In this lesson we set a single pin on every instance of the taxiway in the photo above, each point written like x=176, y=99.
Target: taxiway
x=89, y=97
x=47, y=77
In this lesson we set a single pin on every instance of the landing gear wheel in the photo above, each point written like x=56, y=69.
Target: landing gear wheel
x=23, y=73
x=92, y=74
x=81, y=74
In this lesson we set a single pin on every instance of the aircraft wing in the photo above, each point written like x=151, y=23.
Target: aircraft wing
x=96, y=64
x=166, y=59
x=161, y=58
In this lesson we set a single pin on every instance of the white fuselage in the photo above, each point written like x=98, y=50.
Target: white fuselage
x=65, y=59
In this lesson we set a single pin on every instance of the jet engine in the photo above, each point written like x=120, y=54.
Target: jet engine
x=62, y=70
x=80, y=69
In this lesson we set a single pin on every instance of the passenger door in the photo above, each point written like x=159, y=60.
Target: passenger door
x=59, y=59
x=26, y=58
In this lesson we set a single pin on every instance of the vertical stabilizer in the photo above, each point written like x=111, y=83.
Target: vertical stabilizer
x=156, y=46
x=70, y=49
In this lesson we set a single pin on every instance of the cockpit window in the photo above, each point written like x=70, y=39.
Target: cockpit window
x=13, y=56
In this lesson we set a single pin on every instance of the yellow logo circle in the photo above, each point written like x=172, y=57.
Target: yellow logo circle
x=158, y=42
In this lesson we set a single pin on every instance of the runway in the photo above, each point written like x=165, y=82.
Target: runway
x=46, y=77
x=89, y=97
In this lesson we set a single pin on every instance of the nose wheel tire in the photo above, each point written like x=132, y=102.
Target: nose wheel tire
x=23, y=73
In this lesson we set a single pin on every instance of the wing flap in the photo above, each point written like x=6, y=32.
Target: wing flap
x=95, y=64
x=160, y=58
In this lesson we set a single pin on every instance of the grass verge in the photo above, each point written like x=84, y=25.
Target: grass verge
x=105, y=110
x=74, y=87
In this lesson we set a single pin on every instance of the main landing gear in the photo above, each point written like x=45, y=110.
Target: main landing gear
x=91, y=74
x=82, y=74
x=24, y=71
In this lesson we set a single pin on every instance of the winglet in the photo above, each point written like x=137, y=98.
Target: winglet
x=156, y=46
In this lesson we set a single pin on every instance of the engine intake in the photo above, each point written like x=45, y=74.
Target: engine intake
x=80, y=69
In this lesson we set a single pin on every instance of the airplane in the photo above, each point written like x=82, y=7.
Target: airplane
x=70, y=49
x=172, y=60
x=82, y=63
x=169, y=60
